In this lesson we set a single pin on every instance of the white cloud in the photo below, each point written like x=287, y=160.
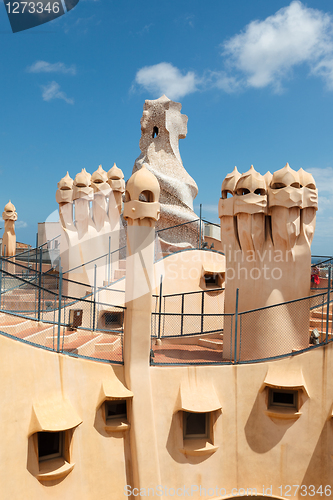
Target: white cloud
x=164, y=78
x=222, y=81
x=324, y=183
x=52, y=91
x=266, y=51
x=20, y=224
x=264, y=54
x=45, y=67
x=323, y=178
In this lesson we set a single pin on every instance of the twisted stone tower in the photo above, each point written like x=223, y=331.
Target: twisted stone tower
x=162, y=125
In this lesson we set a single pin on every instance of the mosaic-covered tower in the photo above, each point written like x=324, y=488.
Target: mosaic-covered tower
x=162, y=125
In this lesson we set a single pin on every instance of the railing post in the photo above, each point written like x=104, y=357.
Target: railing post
x=94, y=304
x=182, y=316
x=36, y=261
x=202, y=309
x=328, y=301
x=111, y=265
x=40, y=281
x=160, y=309
x=109, y=261
x=236, y=325
x=0, y=280
x=199, y=246
x=59, y=306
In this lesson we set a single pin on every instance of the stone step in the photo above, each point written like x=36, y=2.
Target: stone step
x=8, y=319
x=83, y=344
x=17, y=305
x=119, y=273
x=87, y=348
x=14, y=326
x=37, y=334
x=215, y=344
x=67, y=335
x=319, y=323
x=320, y=314
x=108, y=343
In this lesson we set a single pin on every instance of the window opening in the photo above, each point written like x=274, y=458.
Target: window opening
x=116, y=409
x=195, y=425
x=155, y=132
x=283, y=398
x=113, y=319
x=146, y=196
x=211, y=280
x=50, y=445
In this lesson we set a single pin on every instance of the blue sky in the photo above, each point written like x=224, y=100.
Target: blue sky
x=255, y=79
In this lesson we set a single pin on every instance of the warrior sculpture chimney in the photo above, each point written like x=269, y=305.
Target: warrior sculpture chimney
x=267, y=227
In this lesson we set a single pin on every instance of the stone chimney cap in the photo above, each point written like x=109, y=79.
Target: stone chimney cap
x=99, y=175
x=229, y=183
x=115, y=173
x=82, y=179
x=143, y=181
x=285, y=177
x=66, y=182
x=251, y=181
x=9, y=207
x=306, y=179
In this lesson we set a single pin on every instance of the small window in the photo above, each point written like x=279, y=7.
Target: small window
x=113, y=319
x=283, y=398
x=50, y=445
x=155, y=132
x=211, y=280
x=115, y=409
x=195, y=425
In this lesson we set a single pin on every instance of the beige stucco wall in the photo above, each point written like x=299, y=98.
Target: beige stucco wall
x=253, y=450
x=31, y=375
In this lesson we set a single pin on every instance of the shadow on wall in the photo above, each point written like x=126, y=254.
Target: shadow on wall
x=262, y=433
x=321, y=460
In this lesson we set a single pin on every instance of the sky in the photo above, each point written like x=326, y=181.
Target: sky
x=254, y=78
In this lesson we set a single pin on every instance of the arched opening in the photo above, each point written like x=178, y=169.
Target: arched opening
x=146, y=196
x=242, y=191
x=311, y=186
x=226, y=194
x=155, y=132
x=278, y=185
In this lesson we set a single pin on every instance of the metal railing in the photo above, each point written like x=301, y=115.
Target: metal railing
x=172, y=313
x=271, y=332
x=43, y=317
